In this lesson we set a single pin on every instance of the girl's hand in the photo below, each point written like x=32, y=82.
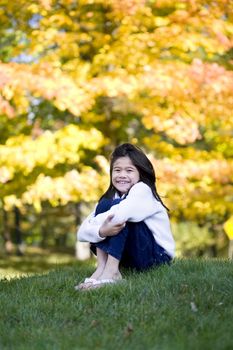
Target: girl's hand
x=110, y=229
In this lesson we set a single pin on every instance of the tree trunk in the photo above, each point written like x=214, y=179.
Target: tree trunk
x=9, y=246
x=18, y=233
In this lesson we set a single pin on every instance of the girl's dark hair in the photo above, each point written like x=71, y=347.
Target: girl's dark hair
x=141, y=162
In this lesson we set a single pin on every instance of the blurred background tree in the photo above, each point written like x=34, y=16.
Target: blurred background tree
x=79, y=77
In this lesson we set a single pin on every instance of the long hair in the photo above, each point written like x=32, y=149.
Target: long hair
x=141, y=162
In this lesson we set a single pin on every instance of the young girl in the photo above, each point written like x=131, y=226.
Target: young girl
x=130, y=225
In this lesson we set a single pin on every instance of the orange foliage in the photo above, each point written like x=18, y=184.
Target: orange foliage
x=164, y=66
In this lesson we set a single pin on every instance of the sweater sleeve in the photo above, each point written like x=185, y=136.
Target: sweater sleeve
x=89, y=229
x=137, y=206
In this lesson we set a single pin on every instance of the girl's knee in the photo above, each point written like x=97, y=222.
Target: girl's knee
x=105, y=204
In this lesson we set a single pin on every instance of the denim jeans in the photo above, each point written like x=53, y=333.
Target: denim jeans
x=134, y=245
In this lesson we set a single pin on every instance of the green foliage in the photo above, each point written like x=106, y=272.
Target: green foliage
x=192, y=239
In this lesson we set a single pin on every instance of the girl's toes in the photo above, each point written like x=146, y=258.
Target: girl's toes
x=84, y=285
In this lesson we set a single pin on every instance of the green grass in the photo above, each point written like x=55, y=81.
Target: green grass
x=188, y=305
x=35, y=260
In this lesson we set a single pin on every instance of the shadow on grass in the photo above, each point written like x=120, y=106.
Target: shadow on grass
x=35, y=261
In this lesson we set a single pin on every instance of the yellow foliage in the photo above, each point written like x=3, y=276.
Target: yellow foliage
x=22, y=153
x=72, y=187
x=163, y=66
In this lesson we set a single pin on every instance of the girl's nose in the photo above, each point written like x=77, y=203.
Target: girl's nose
x=122, y=174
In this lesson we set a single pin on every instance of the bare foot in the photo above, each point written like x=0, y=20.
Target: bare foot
x=84, y=285
x=102, y=282
x=108, y=275
x=98, y=272
x=89, y=280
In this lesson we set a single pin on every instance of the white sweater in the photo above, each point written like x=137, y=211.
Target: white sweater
x=139, y=205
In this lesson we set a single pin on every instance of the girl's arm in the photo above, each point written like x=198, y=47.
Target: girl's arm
x=89, y=230
x=137, y=206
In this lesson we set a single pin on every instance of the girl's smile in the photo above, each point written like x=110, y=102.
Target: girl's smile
x=124, y=174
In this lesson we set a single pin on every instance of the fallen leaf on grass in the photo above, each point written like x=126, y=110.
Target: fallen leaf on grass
x=128, y=329
x=183, y=288
x=94, y=323
x=193, y=306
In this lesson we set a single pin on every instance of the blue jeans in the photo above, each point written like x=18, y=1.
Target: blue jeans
x=134, y=245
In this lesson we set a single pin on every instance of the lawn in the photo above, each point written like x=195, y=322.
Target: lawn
x=188, y=305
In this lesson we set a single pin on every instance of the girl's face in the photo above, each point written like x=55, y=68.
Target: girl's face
x=124, y=174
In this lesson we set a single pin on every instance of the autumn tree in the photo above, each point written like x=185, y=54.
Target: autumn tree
x=77, y=78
